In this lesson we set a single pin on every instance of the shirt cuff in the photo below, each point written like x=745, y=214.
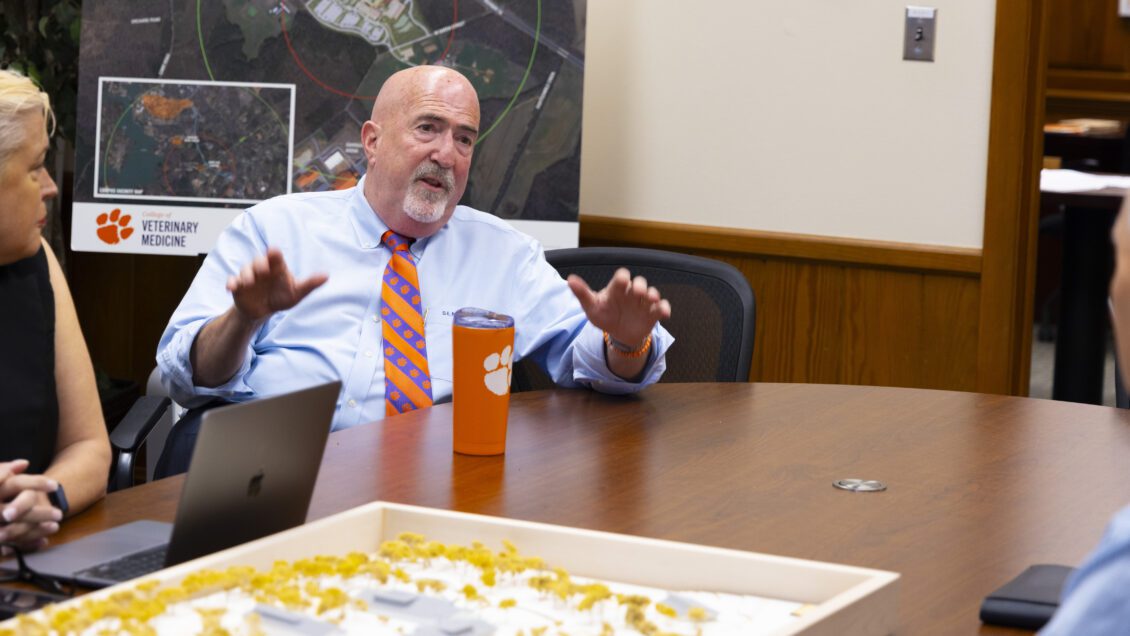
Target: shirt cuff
x=174, y=360
x=590, y=367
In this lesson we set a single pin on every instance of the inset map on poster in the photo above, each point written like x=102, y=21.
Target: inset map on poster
x=192, y=110
x=193, y=141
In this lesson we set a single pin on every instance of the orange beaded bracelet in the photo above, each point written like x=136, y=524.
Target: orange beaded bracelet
x=622, y=349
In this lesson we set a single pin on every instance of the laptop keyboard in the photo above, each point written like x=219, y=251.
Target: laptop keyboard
x=128, y=567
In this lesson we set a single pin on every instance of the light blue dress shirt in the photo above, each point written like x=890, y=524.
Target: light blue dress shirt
x=1096, y=598
x=476, y=260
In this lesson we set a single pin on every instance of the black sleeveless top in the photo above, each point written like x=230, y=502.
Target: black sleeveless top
x=29, y=408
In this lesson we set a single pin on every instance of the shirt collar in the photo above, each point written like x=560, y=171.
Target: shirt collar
x=369, y=228
x=367, y=225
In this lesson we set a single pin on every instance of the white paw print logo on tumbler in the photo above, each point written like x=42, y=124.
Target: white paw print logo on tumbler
x=498, y=369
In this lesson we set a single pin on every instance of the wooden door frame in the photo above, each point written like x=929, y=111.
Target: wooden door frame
x=1012, y=197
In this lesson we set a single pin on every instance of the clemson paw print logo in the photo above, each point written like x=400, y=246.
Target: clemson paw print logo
x=498, y=370
x=114, y=227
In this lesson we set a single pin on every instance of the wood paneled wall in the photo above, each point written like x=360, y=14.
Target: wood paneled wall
x=1088, y=60
x=838, y=311
x=124, y=302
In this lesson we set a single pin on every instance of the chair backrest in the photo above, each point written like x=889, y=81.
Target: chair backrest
x=712, y=310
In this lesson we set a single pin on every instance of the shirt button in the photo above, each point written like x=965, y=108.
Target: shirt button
x=376, y=318
x=352, y=404
x=368, y=354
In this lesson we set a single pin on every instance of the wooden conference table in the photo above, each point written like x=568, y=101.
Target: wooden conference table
x=980, y=486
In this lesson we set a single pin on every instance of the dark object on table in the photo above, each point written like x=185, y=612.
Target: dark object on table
x=14, y=602
x=1027, y=601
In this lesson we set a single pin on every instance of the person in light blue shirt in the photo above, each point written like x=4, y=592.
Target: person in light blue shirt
x=291, y=294
x=1096, y=598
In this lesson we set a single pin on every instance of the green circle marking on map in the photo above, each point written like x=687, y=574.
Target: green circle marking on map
x=200, y=37
x=521, y=85
x=110, y=139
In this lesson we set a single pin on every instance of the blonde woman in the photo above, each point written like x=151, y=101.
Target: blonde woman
x=53, y=444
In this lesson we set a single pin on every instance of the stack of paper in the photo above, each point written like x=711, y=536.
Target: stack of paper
x=1079, y=126
x=1075, y=181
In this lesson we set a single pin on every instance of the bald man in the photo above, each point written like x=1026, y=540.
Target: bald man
x=291, y=294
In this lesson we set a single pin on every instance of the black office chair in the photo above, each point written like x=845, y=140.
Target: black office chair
x=130, y=434
x=147, y=423
x=712, y=317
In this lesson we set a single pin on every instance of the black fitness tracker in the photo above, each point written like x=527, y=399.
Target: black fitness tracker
x=59, y=499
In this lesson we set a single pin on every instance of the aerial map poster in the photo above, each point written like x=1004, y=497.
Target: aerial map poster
x=190, y=111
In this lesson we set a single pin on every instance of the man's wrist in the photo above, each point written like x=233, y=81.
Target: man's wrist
x=627, y=350
x=245, y=323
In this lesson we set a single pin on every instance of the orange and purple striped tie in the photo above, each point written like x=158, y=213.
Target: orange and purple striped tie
x=408, y=385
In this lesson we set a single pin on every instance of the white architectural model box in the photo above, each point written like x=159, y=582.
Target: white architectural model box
x=393, y=569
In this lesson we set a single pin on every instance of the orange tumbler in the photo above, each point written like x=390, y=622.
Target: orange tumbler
x=483, y=353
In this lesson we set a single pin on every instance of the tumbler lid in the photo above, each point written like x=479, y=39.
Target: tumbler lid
x=476, y=318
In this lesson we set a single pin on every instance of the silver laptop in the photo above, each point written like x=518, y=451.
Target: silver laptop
x=252, y=474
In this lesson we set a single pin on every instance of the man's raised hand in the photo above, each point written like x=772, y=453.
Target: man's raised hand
x=266, y=285
x=626, y=308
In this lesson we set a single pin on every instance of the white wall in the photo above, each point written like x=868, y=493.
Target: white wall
x=788, y=116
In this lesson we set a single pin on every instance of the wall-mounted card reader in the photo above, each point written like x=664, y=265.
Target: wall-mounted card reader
x=918, y=39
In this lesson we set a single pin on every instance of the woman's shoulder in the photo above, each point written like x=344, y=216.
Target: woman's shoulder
x=27, y=279
x=34, y=264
